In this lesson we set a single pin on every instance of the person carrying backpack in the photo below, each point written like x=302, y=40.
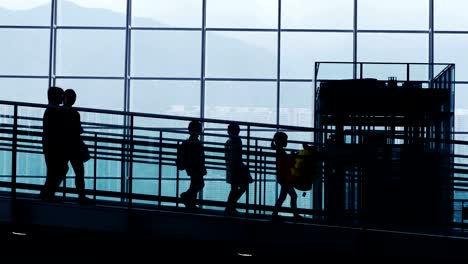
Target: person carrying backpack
x=191, y=158
x=284, y=163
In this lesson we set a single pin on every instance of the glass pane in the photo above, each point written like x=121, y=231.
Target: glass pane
x=111, y=185
x=461, y=123
x=242, y=101
x=450, y=15
x=101, y=94
x=461, y=106
x=297, y=103
x=393, y=47
x=218, y=191
x=300, y=51
x=168, y=184
x=452, y=49
x=91, y=12
x=335, y=70
x=166, y=53
x=167, y=13
x=145, y=186
x=24, y=90
x=29, y=164
x=384, y=71
x=24, y=51
x=90, y=52
x=25, y=13
x=179, y=98
x=393, y=14
x=242, y=13
x=241, y=54
x=335, y=14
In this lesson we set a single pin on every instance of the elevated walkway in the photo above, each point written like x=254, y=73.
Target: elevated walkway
x=115, y=228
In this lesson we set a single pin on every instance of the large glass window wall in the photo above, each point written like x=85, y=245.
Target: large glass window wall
x=129, y=44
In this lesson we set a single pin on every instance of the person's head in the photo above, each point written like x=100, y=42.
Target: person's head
x=69, y=97
x=55, y=95
x=194, y=127
x=233, y=129
x=280, y=140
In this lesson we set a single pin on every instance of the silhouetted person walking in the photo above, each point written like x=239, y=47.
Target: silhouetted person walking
x=237, y=173
x=284, y=163
x=53, y=144
x=191, y=157
x=76, y=148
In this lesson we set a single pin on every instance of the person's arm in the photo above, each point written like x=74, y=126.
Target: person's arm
x=80, y=128
x=236, y=153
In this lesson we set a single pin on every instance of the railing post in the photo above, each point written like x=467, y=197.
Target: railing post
x=64, y=194
x=255, y=175
x=247, y=196
x=130, y=165
x=177, y=178
x=95, y=166
x=407, y=72
x=360, y=70
x=14, y=151
x=160, y=168
x=262, y=180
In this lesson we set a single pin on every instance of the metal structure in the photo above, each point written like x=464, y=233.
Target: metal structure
x=152, y=165
x=387, y=145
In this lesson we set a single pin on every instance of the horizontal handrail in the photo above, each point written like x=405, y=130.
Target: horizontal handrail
x=159, y=116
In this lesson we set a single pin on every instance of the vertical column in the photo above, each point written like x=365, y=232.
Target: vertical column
x=355, y=39
x=202, y=78
x=53, y=41
x=431, y=41
x=203, y=58
x=278, y=66
x=125, y=166
x=128, y=47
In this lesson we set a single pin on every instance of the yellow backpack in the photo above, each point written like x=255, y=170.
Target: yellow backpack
x=305, y=170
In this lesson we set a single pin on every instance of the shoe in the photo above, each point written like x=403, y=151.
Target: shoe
x=275, y=218
x=47, y=198
x=184, y=199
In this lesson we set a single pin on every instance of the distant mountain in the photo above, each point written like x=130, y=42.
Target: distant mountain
x=99, y=52
x=96, y=52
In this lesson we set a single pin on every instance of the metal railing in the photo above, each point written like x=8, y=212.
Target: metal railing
x=144, y=143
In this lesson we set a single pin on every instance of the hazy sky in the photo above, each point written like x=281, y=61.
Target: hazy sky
x=401, y=14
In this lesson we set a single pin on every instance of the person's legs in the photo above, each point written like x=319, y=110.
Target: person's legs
x=292, y=193
x=231, y=199
x=45, y=193
x=78, y=167
x=280, y=201
x=241, y=189
x=190, y=196
x=57, y=173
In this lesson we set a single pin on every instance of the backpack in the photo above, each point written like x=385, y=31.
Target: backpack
x=181, y=156
x=305, y=170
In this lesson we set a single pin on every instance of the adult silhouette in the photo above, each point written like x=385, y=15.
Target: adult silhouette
x=77, y=151
x=53, y=144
